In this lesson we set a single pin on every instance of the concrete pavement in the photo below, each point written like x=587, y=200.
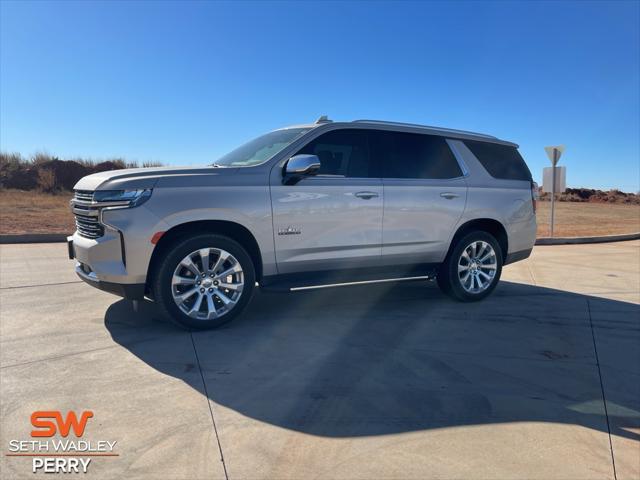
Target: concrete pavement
x=541, y=380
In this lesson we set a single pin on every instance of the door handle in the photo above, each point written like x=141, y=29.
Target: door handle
x=449, y=195
x=366, y=195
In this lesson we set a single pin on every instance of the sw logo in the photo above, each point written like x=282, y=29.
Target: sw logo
x=47, y=428
x=47, y=424
x=61, y=454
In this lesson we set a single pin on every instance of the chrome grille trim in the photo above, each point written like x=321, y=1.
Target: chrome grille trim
x=85, y=195
x=86, y=215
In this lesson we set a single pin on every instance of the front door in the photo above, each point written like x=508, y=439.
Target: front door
x=332, y=220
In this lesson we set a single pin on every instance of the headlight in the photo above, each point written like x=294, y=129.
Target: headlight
x=126, y=198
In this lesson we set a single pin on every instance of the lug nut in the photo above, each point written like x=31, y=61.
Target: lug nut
x=198, y=282
x=204, y=274
x=211, y=290
x=211, y=275
x=202, y=290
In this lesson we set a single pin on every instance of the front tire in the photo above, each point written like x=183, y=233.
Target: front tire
x=204, y=281
x=472, y=268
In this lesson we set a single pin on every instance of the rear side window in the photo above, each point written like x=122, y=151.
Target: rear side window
x=341, y=152
x=501, y=161
x=411, y=155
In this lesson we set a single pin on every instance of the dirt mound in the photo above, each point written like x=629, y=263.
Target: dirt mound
x=21, y=178
x=594, y=196
x=66, y=173
x=47, y=173
x=108, y=165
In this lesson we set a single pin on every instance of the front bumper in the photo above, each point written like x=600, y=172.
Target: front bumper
x=103, y=256
x=122, y=254
x=131, y=291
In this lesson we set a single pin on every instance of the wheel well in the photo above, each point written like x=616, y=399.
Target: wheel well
x=488, y=225
x=232, y=230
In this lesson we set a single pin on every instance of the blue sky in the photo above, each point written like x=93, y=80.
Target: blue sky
x=185, y=82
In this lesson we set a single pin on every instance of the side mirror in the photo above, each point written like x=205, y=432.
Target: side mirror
x=300, y=166
x=303, y=165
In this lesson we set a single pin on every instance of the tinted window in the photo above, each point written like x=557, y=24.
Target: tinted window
x=341, y=152
x=411, y=155
x=501, y=161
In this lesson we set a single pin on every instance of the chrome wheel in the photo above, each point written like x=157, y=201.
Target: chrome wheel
x=477, y=267
x=207, y=283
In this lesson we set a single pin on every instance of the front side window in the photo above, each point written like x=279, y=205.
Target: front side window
x=341, y=152
x=261, y=149
x=412, y=155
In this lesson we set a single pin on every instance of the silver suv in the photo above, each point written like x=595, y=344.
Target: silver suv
x=309, y=206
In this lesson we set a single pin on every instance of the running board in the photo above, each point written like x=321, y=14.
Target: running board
x=363, y=282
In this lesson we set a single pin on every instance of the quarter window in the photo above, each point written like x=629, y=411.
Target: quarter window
x=501, y=161
x=411, y=155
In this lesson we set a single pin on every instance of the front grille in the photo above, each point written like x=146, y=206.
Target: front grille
x=83, y=195
x=86, y=214
x=89, y=227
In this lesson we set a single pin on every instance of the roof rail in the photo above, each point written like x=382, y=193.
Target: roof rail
x=465, y=132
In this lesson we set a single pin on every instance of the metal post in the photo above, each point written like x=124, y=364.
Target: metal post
x=553, y=188
x=554, y=154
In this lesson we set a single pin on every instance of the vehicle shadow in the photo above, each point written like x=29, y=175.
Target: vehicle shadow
x=388, y=358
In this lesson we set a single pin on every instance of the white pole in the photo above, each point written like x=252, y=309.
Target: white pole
x=553, y=188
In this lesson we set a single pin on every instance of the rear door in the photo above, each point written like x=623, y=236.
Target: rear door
x=332, y=220
x=424, y=195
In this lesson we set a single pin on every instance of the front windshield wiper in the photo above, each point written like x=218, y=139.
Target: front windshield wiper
x=217, y=165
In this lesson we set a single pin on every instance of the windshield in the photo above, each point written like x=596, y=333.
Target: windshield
x=260, y=149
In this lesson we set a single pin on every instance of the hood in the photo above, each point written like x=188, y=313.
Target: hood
x=141, y=178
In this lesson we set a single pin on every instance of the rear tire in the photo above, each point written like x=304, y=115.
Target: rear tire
x=204, y=281
x=472, y=268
